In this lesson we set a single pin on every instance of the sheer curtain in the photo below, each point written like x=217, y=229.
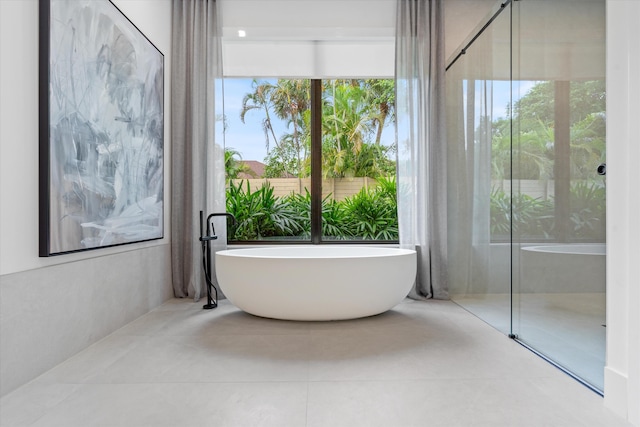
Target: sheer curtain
x=422, y=149
x=197, y=149
x=479, y=136
x=469, y=118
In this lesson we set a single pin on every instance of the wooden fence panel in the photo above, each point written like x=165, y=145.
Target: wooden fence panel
x=341, y=188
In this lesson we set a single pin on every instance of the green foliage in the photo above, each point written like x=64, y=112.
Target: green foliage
x=301, y=203
x=500, y=212
x=529, y=154
x=388, y=190
x=529, y=217
x=260, y=214
x=283, y=162
x=233, y=165
x=335, y=222
x=354, y=114
x=535, y=218
x=588, y=146
x=588, y=211
x=260, y=99
x=523, y=148
x=288, y=100
x=370, y=214
x=585, y=98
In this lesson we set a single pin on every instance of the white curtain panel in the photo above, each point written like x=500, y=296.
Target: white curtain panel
x=422, y=148
x=469, y=117
x=197, y=147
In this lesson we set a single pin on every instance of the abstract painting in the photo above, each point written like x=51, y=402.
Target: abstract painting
x=101, y=129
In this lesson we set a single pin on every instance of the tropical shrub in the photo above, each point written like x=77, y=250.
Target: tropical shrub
x=530, y=217
x=535, y=218
x=588, y=211
x=259, y=214
x=371, y=214
x=301, y=204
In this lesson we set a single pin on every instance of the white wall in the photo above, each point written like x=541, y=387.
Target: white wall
x=622, y=371
x=51, y=308
x=19, y=127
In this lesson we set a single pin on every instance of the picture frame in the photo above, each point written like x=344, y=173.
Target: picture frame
x=101, y=129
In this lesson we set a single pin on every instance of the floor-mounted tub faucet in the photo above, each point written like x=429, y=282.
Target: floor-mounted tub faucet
x=205, y=240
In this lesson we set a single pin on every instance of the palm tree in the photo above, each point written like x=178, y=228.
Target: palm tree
x=260, y=99
x=381, y=94
x=348, y=124
x=353, y=112
x=291, y=100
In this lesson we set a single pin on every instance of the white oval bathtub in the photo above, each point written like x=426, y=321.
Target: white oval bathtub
x=571, y=268
x=319, y=282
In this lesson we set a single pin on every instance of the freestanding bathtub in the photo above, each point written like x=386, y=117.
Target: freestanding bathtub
x=563, y=268
x=323, y=282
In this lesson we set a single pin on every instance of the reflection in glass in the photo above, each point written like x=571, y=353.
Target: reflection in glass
x=479, y=144
x=559, y=222
x=526, y=126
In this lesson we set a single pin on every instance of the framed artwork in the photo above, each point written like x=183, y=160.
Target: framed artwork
x=101, y=129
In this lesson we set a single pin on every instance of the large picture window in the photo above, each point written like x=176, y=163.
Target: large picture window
x=311, y=160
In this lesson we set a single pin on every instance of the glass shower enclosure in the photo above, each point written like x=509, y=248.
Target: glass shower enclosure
x=526, y=138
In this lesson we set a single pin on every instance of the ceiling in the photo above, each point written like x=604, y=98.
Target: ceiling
x=348, y=20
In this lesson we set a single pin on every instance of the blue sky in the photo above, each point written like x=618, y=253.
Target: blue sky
x=246, y=138
x=249, y=140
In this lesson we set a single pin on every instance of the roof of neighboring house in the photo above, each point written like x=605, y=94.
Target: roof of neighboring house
x=257, y=168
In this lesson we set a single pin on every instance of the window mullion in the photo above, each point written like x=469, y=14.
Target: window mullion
x=316, y=161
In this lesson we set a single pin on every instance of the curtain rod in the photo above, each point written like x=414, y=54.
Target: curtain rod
x=503, y=6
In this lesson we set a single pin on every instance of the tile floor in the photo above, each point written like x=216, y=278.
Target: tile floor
x=566, y=327
x=422, y=364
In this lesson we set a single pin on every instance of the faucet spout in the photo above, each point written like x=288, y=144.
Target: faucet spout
x=227, y=214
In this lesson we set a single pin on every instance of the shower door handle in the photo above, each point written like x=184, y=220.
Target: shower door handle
x=602, y=169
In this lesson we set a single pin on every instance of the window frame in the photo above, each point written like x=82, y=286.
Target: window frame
x=316, y=237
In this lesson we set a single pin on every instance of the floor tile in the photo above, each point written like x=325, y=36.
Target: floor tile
x=490, y=403
x=281, y=404
x=424, y=363
x=211, y=359
x=27, y=404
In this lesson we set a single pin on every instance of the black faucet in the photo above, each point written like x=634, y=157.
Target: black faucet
x=211, y=232
x=206, y=254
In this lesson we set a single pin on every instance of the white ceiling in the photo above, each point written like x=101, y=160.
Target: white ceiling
x=334, y=20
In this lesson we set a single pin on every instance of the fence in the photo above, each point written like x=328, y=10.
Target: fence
x=340, y=188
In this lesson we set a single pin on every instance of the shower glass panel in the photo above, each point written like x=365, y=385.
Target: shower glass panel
x=526, y=137
x=479, y=167
x=558, y=142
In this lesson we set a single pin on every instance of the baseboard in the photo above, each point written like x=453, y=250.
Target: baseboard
x=616, y=392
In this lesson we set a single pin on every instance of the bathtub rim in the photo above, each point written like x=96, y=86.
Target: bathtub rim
x=582, y=249
x=295, y=251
